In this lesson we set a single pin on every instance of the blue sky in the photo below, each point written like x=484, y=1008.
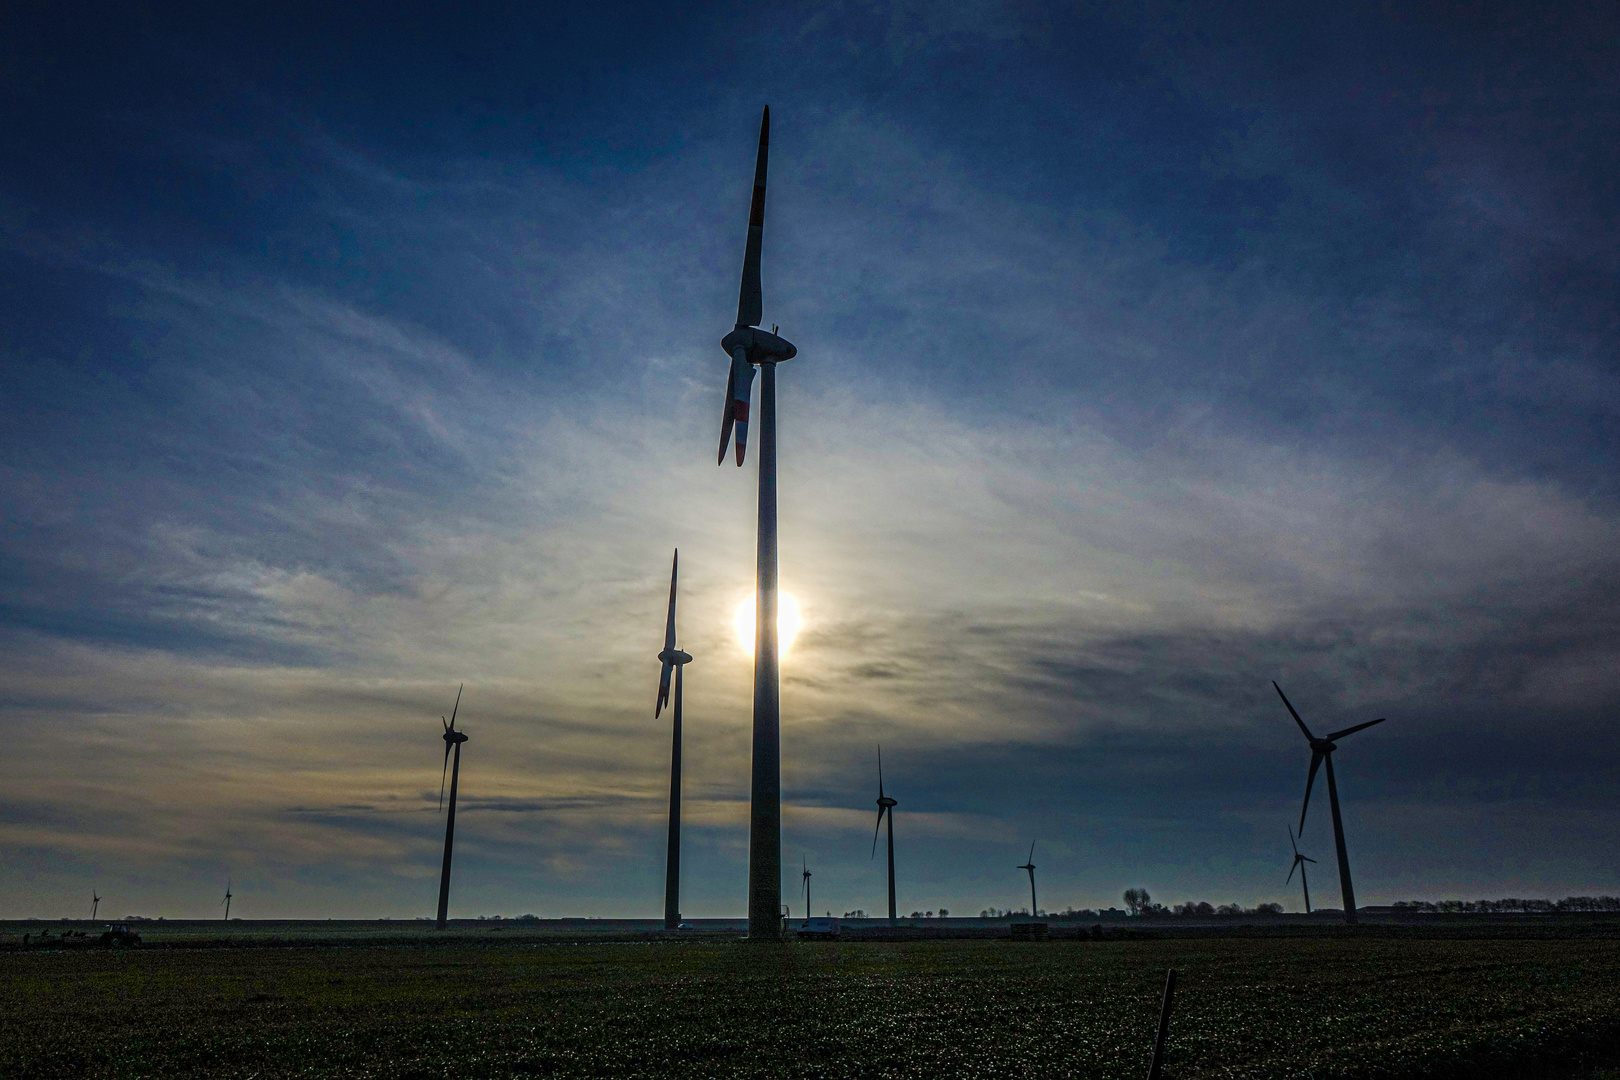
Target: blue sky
x=1146, y=355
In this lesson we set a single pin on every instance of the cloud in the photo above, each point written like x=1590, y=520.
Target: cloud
x=1050, y=528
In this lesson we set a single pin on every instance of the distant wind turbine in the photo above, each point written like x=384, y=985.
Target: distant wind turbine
x=95, y=904
x=227, y=900
x=1322, y=751
x=1299, y=864
x=1029, y=864
x=748, y=346
x=677, y=660
x=452, y=738
x=886, y=805
x=806, y=875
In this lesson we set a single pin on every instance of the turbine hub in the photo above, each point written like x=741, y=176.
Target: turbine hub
x=762, y=348
x=675, y=656
x=1322, y=746
x=887, y=802
x=455, y=736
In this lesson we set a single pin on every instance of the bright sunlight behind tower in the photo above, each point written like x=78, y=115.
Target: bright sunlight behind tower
x=787, y=623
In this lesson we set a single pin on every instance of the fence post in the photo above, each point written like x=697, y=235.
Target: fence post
x=1156, y=1066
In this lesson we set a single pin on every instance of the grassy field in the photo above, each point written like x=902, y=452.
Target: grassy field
x=1251, y=1008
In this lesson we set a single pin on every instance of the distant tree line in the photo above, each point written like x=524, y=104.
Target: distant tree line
x=1139, y=903
x=1513, y=905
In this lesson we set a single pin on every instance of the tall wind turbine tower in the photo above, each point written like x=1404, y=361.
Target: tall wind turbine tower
x=749, y=347
x=452, y=738
x=227, y=900
x=95, y=905
x=806, y=875
x=677, y=660
x=1029, y=864
x=1299, y=864
x=886, y=805
x=1322, y=751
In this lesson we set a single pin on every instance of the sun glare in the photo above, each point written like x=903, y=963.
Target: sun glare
x=787, y=623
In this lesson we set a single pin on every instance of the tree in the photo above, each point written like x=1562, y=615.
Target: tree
x=1136, y=901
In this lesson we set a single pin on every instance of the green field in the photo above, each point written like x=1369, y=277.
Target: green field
x=1247, y=1007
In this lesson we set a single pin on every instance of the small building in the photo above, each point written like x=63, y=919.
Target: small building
x=819, y=928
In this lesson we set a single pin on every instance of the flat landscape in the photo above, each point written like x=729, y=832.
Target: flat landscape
x=352, y=1000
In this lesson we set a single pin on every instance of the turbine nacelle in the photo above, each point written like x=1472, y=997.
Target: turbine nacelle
x=675, y=656
x=453, y=737
x=887, y=803
x=762, y=348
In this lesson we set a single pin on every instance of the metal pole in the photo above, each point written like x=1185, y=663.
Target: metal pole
x=765, y=817
x=1306, y=885
x=1033, y=911
x=1156, y=1065
x=449, y=838
x=672, y=863
x=1338, y=841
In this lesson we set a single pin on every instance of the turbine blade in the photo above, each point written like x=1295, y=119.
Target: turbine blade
x=750, y=297
x=726, y=415
x=1352, y=730
x=1316, y=763
x=1307, y=858
x=880, y=772
x=445, y=769
x=1291, y=841
x=669, y=624
x=1292, y=713
x=457, y=707
x=741, y=399
x=1031, y=857
x=875, y=830
x=663, y=690
x=1291, y=870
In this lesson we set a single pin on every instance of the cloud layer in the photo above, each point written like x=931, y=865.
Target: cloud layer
x=1075, y=462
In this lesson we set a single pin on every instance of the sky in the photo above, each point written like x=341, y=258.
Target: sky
x=1148, y=353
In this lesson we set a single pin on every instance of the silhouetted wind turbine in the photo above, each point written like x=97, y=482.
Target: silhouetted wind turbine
x=452, y=738
x=227, y=900
x=1322, y=751
x=1299, y=864
x=672, y=658
x=806, y=875
x=95, y=904
x=748, y=346
x=1029, y=864
x=886, y=805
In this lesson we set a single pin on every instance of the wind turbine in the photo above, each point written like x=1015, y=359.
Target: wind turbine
x=1299, y=864
x=886, y=805
x=95, y=904
x=1322, y=751
x=676, y=659
x=227, y=900
x=1029, y=864
x=452, y=738
x=806, y=875
x=748, y=347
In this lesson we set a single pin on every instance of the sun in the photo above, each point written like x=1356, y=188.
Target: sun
x=787, y=623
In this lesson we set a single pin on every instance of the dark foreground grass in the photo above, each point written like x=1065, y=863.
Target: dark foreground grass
x=1245, y=1008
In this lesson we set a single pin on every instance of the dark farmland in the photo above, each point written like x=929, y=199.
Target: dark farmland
x=480, y=1004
